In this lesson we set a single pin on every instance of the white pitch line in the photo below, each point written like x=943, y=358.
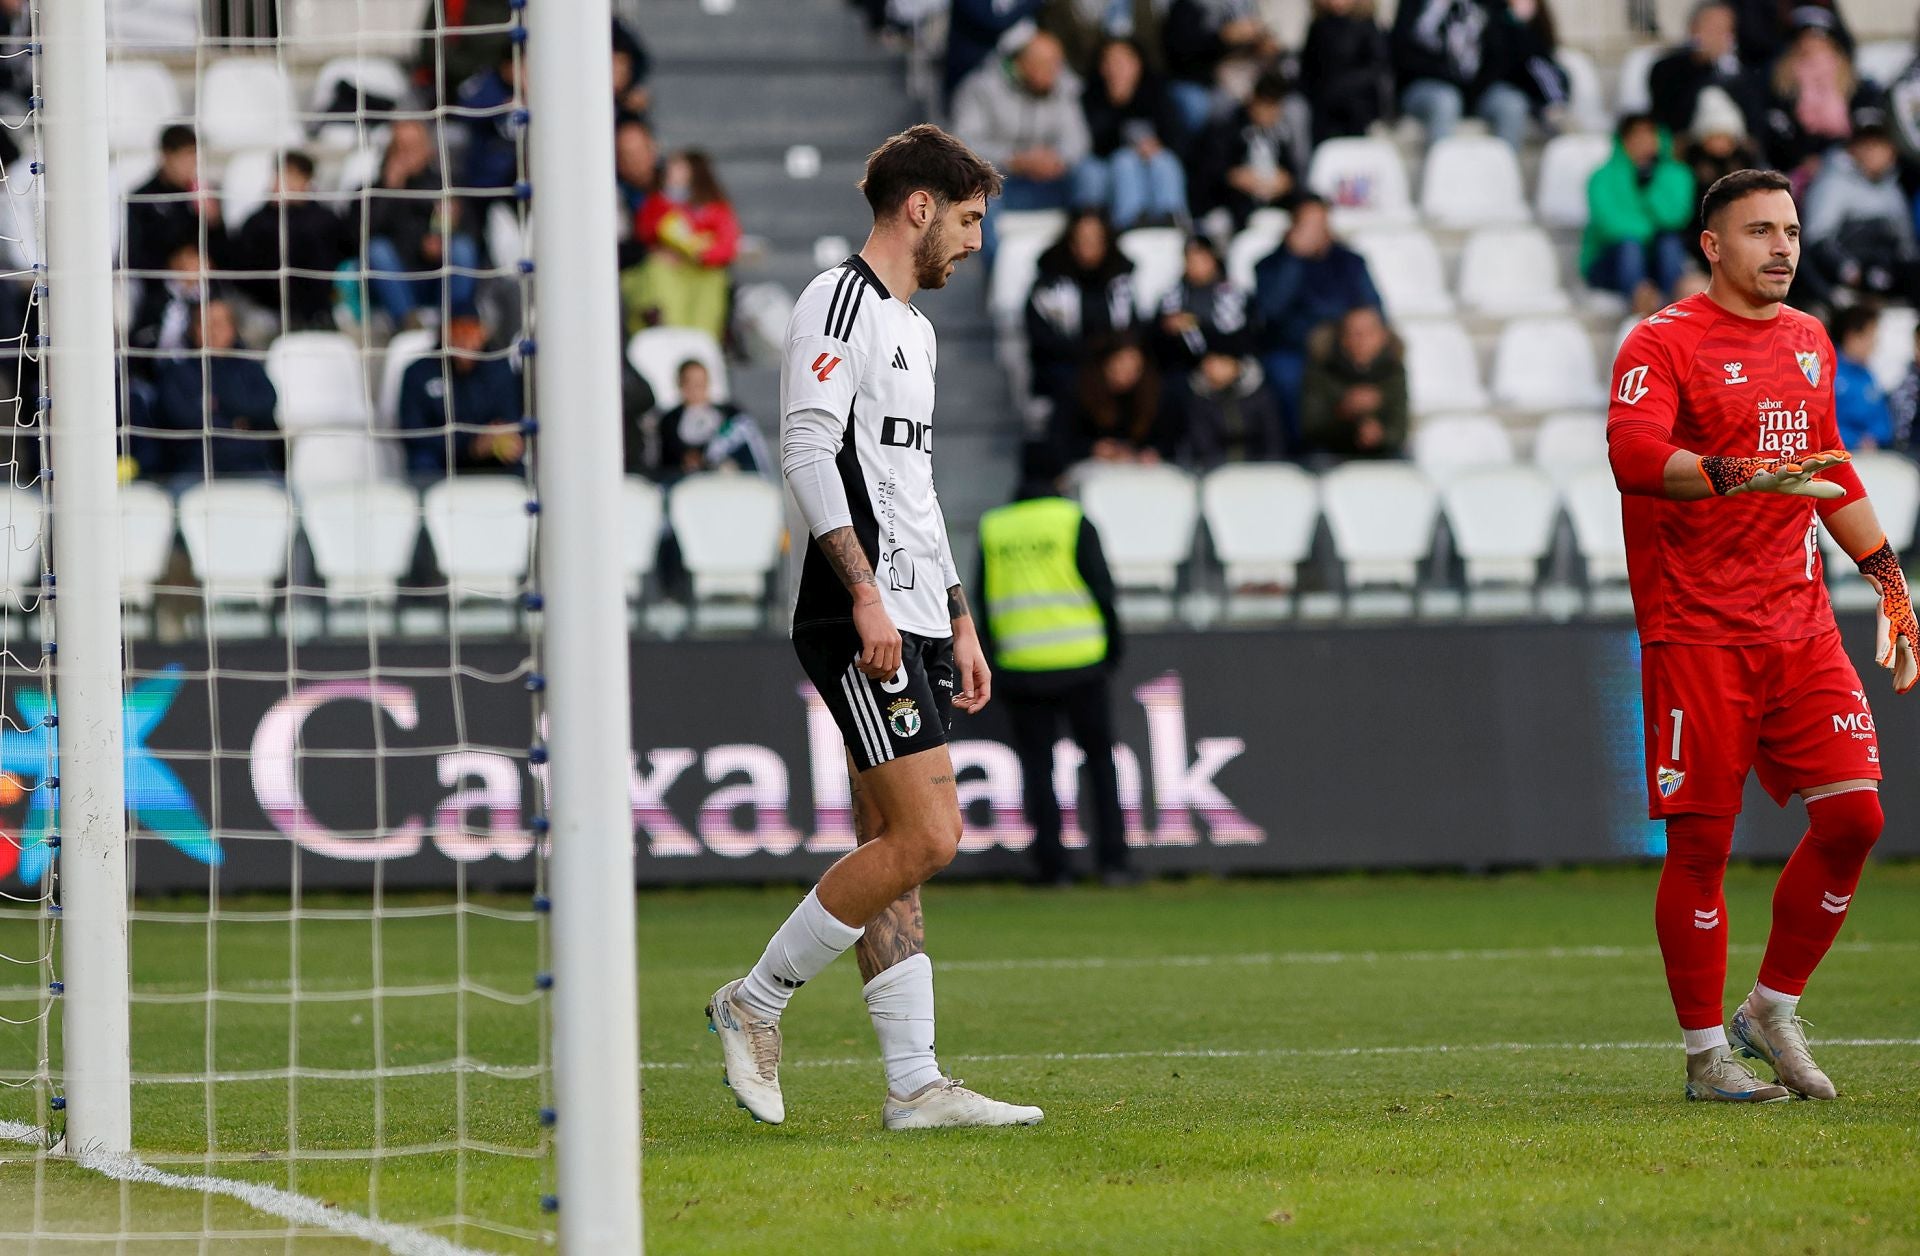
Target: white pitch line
x=299, y=1209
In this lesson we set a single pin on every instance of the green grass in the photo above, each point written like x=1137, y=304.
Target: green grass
x=1305, y=1065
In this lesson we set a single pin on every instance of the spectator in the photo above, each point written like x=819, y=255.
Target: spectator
x=1082, y=292
x=1520, y=48
x=410, y=236
x=1084, y=28
x=1118, y=415
x=1133, y=129
x=1346, y=69
x=974, y=31
x=1203, y=40
x=1859, y=406
x=693, y=236
x=1858, y=222
x=1904, y=402
x=636, y=169
x=1441, y=61
x=1812, y=97
x=631, y=65
x=701, y=434
x=1205, y=313
x=1355, y=402
x=1227, y=414
x=171, y=209
x=1023, y=114
x=460, y=408
x=1763, y=29
x=1253, y=158
x=1709, y=58
x=1718, y=147
x=168, y=309
x=492, y=104
x=1310, y=279
x=1638, y=203
x=1903, y=110
x=217, y=390
x=293, y=244
x=446, y=60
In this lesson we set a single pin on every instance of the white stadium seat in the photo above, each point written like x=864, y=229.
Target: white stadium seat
x=1509, y=271
x=142, y=100
x=1381, y=515
x=1472, y=181
x=643, y=510
x=1449, y=443
x=1893, y=346
x=238, y=535
x=1502, y=520
x=1023, y=235
x=1545, y=364
x=246, y=183
x=1586, y=97
x=1443, y=372
x=403, y=351
x=1882, y=61
x=1634, y=95
x=325, y=411
x=729, y=526
x=480, y=530
x=1260, y=237
x=362, y=537
x=1261, y=519
x=1363, y=179
x=1570, y=442
x=246, y=102
x=1893, y=485
x=1159, y=257
x=20, y=514
x=1593, y=507
x=1566, y=165
x=374, y=76
x=19, y=228
x=146, y=541
x=658, y=352
x=1147, y=517
x=1405, y=268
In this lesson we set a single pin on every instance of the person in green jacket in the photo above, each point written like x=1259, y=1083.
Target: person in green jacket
x=1639, y=204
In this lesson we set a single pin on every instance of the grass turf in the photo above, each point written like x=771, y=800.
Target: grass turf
x=1344, y=1064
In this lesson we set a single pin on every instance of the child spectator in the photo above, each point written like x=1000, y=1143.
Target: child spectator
x=700, y=434
x=1253, y=158
x=1346, y=69
x=1859, y=406
x=1310, y=279
x=1205, y=313
x=292, y=232
x=219, y=390
x=1083, y=293
x=168, y=308
x=1133, y=128
x=1118, y=416
x=690, y=226
x=1638, y=203
x=1206, y=40
x=1355, y=399
x=460, y=408
x=1227, y=414
x=410, y=237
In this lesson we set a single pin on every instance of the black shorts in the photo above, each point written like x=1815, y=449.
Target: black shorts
x=881, y=720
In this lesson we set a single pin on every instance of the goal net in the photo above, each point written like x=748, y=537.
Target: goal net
x=340, y=1013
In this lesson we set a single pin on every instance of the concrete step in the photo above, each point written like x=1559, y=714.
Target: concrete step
x=792, y=213
x=842, y=109
x=683, y=30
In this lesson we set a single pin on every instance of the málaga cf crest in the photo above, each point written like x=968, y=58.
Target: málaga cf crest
x=1809, y=363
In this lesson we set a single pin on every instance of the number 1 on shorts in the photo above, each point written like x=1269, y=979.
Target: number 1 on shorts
x=1678, y=715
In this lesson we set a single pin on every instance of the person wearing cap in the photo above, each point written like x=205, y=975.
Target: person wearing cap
x=1858, y=222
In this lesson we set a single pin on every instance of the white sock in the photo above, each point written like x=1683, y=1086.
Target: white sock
x=1699, y=1040
x=900, y=1001
x=799, y=951
x=1774, y=996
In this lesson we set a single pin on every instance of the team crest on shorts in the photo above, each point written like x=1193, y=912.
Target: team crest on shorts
x=903, y=717
x=1809, y=365
x=1669, y=780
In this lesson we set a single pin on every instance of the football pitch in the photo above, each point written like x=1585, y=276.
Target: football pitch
x=1358, y=1064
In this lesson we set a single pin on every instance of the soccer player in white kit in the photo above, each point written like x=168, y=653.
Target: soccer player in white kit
x=882, y=628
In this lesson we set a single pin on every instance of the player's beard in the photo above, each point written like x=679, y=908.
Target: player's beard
x=931, y=257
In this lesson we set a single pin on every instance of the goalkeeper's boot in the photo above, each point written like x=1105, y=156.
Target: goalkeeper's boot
x=1765, y=1030
x=948, y=1104
x=750, y=1045
x=1716, y=1076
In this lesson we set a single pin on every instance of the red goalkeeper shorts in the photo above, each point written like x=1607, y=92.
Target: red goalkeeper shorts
x=1794, y=711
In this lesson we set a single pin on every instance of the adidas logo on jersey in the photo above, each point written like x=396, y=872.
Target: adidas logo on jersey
x=900, y=359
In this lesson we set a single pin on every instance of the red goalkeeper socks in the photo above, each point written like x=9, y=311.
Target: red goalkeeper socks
x=1811, y=900
x=1690, y=916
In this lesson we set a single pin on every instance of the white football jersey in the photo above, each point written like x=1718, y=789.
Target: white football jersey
x=856, y=353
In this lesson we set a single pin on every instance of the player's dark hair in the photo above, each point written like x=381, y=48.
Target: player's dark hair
x=1629, y=122
x=1731, y=187
x=1852, y=320
x=177, y=137
x=926, y=159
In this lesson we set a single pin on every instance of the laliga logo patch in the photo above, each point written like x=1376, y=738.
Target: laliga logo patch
x=903, y=717
x=1670, y=780
x=1809, y=363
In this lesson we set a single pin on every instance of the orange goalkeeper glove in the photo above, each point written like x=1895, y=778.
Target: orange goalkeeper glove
x=1794, y=476
x=1897, y=640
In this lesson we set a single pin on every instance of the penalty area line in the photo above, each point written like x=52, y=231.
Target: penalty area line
x=271, y=1200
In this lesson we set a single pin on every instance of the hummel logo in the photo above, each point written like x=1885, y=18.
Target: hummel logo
x=1709, y=919
x=900, y=359
x=1835, y=903
x=1733, y=372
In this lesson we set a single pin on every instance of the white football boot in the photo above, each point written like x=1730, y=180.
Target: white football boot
x=1765, y=1030
x=948, y=1104
x=1714, y=1075
x=751, y=1048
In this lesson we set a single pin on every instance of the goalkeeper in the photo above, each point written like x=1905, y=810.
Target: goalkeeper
x=1722, y=438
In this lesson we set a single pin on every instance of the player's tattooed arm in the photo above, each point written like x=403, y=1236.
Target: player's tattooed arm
x=849, y=561
x=957, y=607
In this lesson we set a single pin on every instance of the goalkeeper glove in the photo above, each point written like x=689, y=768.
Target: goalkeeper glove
x=1897, y=640
x=1794, y=476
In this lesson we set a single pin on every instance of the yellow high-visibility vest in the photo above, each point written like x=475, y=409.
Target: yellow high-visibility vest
x=1042, y=615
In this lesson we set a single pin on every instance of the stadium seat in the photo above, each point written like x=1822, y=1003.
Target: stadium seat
x=324, y=412
x=1893, y=485
x=1406, y=269
x=658, y=352
x=1261, y=519
x=1566, y=164
x=1364, y=180
x=1510, y=271
x=1593, y=507
x=480, y=530
x=1443, y=372
x=1634, y=94
x=507, y=238
x=1893, y=346
x=1260, y=237
x=146, y=541
x=1449, y=443
x=1472, y=181
x=642, y=514
x=20, y=513
x=729, y=526
x=246, y=183
x=1570, y=442
x=1882, y=61
x=375, y=76
x=1381, y=515
x=142, y=100
x=246, y=102
x=1502, y=520
x=362, y=537
x=1159, y=259
x=357, y=170
x=19, y=228
x=403, y=350
x=1586, y=96
x=1022, y=237
x=1545, y=364
x=239, y=534
x=1147, y=517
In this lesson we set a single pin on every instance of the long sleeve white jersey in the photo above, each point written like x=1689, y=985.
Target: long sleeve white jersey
x=856, y=405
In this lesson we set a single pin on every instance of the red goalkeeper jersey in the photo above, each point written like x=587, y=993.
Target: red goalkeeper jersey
x=1738, y=570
